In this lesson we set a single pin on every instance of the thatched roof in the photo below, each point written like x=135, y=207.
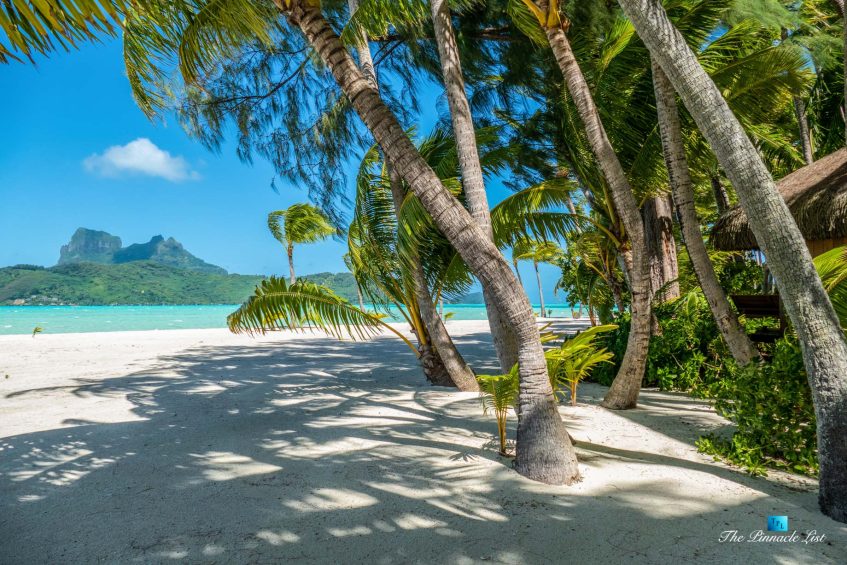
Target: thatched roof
x=816, y=195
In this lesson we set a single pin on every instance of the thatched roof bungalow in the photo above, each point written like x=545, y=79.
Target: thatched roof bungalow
x=817, y=197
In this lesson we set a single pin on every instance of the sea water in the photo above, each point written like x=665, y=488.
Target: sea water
x=75, y=319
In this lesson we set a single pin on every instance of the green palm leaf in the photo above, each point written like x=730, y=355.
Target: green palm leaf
x=302, y=306
x=41, y=26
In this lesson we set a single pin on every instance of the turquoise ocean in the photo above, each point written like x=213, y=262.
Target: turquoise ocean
x=77, y=319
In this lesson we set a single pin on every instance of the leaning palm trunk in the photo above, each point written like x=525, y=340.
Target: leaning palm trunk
x=473, y=182
x=443, y=364
x=624, y=391
x=661, y=249
x=740, y=346
x=544, y=450
x=818, y=329
x=459, y=374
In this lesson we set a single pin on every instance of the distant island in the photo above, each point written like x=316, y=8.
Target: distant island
x=92, y=246
x=95, y=269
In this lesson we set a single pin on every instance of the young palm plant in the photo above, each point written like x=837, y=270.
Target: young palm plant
x=498, y=393
x=576, y=358
x=298, y=224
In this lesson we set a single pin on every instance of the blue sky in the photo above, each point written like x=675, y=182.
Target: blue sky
x=75, y=151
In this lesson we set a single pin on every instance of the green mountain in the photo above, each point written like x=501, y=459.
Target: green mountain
x=137, y=282
x=94, y=269
x=92, y=246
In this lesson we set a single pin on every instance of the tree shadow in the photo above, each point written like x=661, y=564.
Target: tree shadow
x=339, y=452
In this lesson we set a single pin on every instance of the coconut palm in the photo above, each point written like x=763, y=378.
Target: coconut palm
x=740, y=346
x=805, y=299
x=298, y=224
x=452, y=367
x=472, y=176
x=42, y=26
x=537, y=252
x=624, y=391
x=398, y=270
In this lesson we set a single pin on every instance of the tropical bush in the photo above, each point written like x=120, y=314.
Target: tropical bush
x=770, y=402
x=772, y=406
x=687, y=354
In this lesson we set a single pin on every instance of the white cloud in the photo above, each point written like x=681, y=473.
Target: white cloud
x=141, y=156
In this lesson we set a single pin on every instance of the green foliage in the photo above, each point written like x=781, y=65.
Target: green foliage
x=41, y=26
x=139, y=282
x=832, y=268
x=576, y=358
x=771, y=404
x=37, y=330
x=498, y=393
x=687, y=354
x=303, y=306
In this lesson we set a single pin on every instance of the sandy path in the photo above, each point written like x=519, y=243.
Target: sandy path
x=201, y=446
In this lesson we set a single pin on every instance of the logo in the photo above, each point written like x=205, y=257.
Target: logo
x=777, y=523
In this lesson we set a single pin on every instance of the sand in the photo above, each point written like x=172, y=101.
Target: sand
x=204, y=447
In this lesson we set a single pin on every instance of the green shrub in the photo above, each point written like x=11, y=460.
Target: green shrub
x=686, y=355
x=770, y=402
x=772, y=406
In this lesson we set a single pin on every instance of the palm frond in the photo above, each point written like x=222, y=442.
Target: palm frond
x=302, y=306
x=42, y=26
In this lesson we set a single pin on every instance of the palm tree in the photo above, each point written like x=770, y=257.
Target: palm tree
x=818, y=329
x=537, y=252
x=298, y=224
x=456, y=370
x=473, y=181
x=203, y=33
x=623, y=393
x=391, y=240
x=740, y=346
x=40, y=27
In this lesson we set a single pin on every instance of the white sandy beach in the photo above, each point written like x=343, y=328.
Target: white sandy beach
x=202, y=446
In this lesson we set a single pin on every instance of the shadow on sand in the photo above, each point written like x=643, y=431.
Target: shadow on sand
x=338, y=452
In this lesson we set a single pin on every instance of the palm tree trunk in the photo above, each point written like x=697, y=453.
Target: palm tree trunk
x=623, y=393
x=517, y=272
x=720, y=193
x=460, y=374
x=442, y=364
x=821, y=337
x=473, y=181
x=661, y=249
x=540, y=287
x=359, y=297
x=839, y=7
x=544, y=449
x=803, y=130
x=292, y=276
x=802, y=120
x=740, y=346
